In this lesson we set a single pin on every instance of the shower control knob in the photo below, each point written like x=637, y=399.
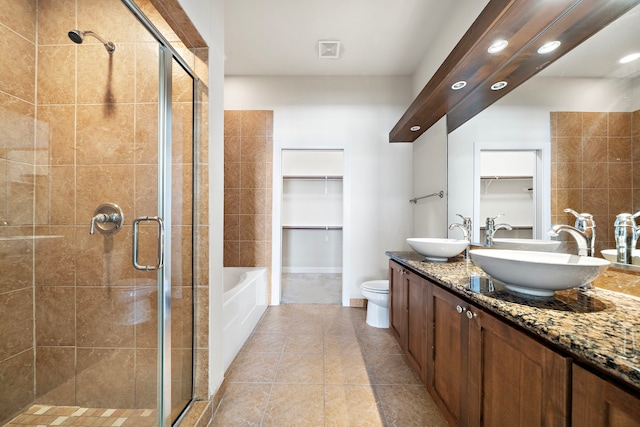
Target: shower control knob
x=108, y=218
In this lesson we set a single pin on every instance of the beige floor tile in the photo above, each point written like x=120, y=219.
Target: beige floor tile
x=390, y=369
x=380, y=342
x=301, y=368
x=295, y=405
x=265, y=342
x=306, y=326
x=343, y=343
x=353, y=406
x=254, y=367
x=407, y=406
x=345, y=368
x=242, y=404
x=304, y=343
x=274, y=325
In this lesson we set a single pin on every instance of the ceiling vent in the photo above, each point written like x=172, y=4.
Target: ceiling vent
x=329, y=49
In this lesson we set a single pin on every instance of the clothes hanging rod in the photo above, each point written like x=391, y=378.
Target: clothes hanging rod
x=312, y=227
x=440, y=194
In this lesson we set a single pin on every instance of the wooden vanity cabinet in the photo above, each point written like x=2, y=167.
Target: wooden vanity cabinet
x=407, y=315
x=483, y=371
x=597, y=402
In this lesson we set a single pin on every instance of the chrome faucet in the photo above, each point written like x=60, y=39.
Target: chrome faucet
x=584, y=232
x=465, y=226
x=467, y=231
x=626, y=233
x=490, y=229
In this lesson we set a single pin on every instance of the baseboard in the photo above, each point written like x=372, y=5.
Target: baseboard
x=312, y=270
x=358, y=302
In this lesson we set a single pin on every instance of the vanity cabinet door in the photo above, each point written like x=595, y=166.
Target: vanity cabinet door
x=397, y=303
x=513, y=378
x=407, y=315
x=482, y=371
x=416, y=349
x=597, y=402
x=446, y=356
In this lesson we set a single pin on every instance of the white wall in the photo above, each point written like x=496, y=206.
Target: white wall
x=208, y=17
x=430, y=176
x=354, y=114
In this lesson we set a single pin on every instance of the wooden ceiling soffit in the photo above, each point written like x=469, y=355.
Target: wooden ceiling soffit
x=523, y=23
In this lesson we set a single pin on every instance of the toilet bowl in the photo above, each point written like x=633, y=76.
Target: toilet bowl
x=377, y=294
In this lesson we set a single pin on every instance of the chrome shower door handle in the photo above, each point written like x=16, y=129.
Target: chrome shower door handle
x=136, y=223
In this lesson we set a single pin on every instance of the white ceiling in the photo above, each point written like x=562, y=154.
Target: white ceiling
x=378, y=37
x=381, y=37
x=599, y=55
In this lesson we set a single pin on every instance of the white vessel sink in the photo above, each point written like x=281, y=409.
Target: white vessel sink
x=435, y=249
x=526, y=244
x=611, y=255
x=538, y=273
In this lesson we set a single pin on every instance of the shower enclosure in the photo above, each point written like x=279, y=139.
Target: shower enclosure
x=96, y=214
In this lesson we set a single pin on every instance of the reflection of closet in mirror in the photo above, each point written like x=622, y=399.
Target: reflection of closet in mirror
x=507, y=189
x=312, y=218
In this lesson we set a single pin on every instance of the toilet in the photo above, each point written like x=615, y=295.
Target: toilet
x=377, y=294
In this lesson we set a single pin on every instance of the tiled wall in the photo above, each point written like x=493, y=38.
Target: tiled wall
x=592, y=168
x=95, y=141
x=248, y=163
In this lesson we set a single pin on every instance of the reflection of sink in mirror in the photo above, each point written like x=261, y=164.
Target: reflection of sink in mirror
x=526, y=244
x=538, y=273
x=436, y=249
x=611, y=255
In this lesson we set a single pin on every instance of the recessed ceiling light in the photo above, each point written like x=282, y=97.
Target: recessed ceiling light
x=458, y=85
x=498, y=85
x=497, y=46
x=629, y=58
x=415, y=128
x=549, y=47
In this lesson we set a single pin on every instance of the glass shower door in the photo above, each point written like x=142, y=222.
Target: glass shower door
x=81, y=128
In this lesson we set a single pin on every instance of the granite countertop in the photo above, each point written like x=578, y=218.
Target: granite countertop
x=598, y=326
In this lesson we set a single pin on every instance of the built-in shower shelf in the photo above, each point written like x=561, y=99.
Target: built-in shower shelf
x=15, y=238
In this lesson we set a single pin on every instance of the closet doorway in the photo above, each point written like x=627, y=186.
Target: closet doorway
x=311, y=226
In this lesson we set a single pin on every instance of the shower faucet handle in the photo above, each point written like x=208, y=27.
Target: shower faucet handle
x=108, y=218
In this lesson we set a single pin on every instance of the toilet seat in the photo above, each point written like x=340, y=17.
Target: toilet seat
x=376, y=286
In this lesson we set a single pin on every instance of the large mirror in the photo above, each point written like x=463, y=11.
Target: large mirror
x=581, y=118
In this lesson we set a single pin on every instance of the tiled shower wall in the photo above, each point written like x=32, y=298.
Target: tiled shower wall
x=94, y=141
x=595, y=168
x=248, y=164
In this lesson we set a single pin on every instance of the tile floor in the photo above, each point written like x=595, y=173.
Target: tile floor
x=322, y=365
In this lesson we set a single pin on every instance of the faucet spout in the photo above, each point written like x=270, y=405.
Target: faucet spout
x=581, y=237
x=490, y=229
x=467, y=231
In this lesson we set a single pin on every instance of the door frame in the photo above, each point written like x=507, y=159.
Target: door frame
x=541, y=183
x=276, y=221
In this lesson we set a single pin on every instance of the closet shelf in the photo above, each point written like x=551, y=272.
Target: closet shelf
x=312, y=227
x=506, y=177
x=314, y=177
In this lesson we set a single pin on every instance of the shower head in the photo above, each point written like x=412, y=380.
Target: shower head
x=77, y=36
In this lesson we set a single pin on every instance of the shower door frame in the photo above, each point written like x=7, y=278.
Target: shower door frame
x=167, y=54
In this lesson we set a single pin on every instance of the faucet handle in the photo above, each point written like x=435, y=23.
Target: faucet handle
x=584, y=215
x=466, y=221
x=491, y=219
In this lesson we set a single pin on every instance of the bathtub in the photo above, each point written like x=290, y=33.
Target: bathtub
x=245, y=300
